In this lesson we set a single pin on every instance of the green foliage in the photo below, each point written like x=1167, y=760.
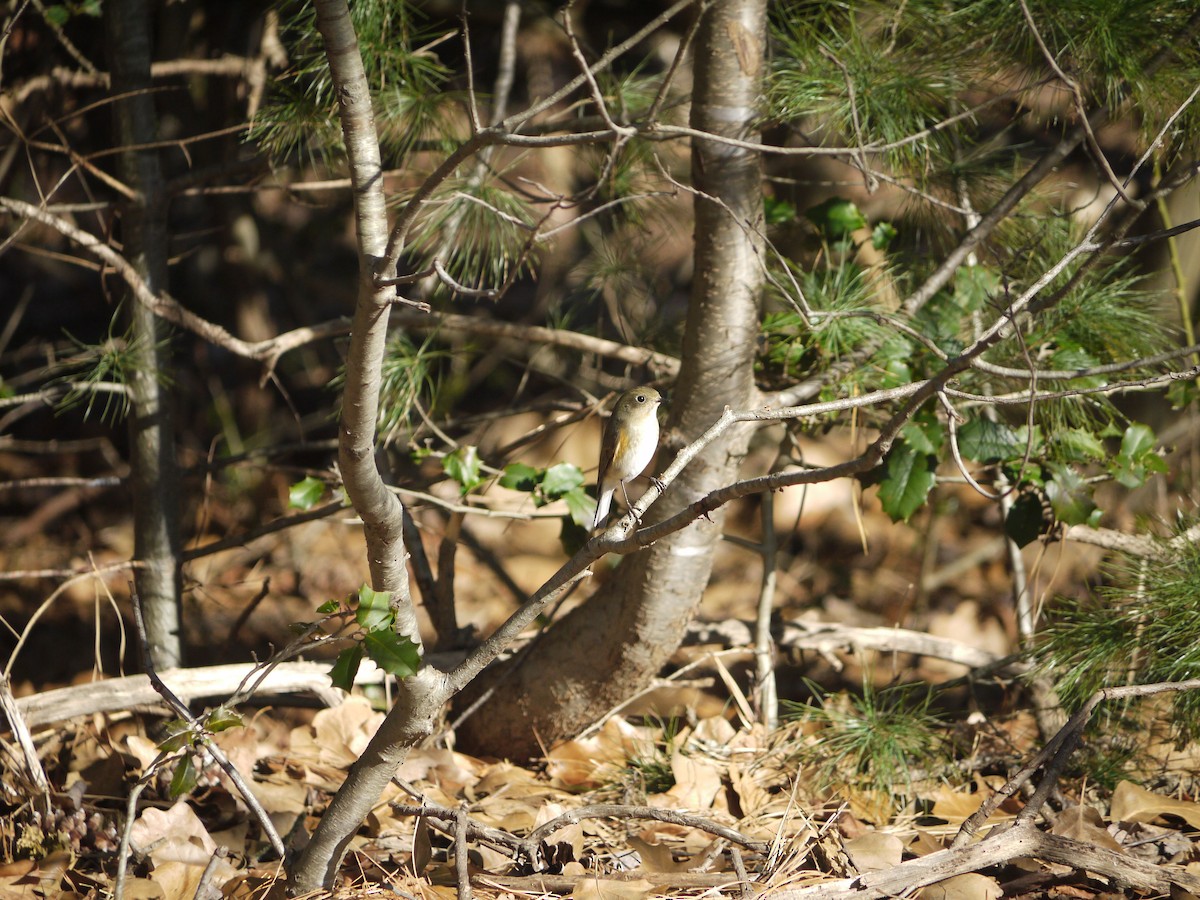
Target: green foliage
x=649, y=769
x=836, y=218
x=185, y=778
x=478, y=229
x=305, y=493
x=865, y=72
x=395, y=654
x=1140, y=628
x=407, y=80
x=875, y=740
x=373, y=610
x=98, y=375
x=59, y=14
x=909, y=478
x=464, y=466
x=842, y=299
x=1103, y=44
x=408, y=377
x=561, y=481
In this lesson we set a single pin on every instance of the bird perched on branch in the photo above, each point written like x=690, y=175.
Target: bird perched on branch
x=630, y=440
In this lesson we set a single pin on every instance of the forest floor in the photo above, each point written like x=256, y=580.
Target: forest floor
x=860, y=790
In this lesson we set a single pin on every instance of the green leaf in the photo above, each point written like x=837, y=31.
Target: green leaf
x=909, y=479
x=179, y=735
x=185, y=777
x=1025, y=521
x=1078, y=444
x=974, y=286
x=837, y=217
x=394, y=654
x=1137, y=459
x=345, y=667
x=561, y=478
x=374, y=611
x=574, y=534
x=1070, y=496
x=305, y=494
x=463, y=465
x=1137, y=441
x=329, y=607
x=519, y=477
x=581, y=506
x=924, y=435
x=986, y=441
x=882, y=235
x=778, y=212
x=57, y=15
x=222, y=719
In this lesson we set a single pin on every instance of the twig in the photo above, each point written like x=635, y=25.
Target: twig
x=204, y=886
x=615, y=811
x=462, y=871
x=127, y=830
x=20, y=730
x=1056, y=752
x=201, y=735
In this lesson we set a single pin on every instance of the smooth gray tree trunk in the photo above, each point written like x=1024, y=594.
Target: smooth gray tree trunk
x=612, y=646
x=154, y=469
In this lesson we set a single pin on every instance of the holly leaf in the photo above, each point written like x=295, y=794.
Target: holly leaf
x=179, y=735
x=222, y=719
x=778, y=212
x=560, y=479
x=581, y=507
x=393, y=653
x=924, y=435
x=185, y=778
x=305, y=494
x=1137, y=460
x=1071, y=497
x=986, y=441
x=57, y=15
x=882, y=235
x=909, y=479
x=329, y=607
x=574, y=534
x=345, y=667
x=1025, y=521
x=837, y=217
x=374, y=612
x=463, y=465
x=1078, y=444
x=519, y=477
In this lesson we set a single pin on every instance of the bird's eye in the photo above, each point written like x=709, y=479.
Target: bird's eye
x=641, y=398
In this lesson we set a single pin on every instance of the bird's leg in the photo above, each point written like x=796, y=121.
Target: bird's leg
x=628, y=505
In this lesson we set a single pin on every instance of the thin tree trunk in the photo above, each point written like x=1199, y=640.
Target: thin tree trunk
x=154, y=470
x=617, y=642
x=419, y=698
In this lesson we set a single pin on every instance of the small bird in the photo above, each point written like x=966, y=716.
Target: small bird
x=630, y=440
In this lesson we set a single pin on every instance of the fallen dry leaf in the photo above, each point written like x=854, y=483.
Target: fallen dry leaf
x=585, y=761
x=1083, y=823
x=971, y=886
x=874, y=851
x=337, y=736
x=656, y=857
x=1131, y=803
x=696, y=785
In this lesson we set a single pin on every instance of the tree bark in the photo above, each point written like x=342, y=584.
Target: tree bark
x=419, y=698
x=613, y=645
x=154, y=470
